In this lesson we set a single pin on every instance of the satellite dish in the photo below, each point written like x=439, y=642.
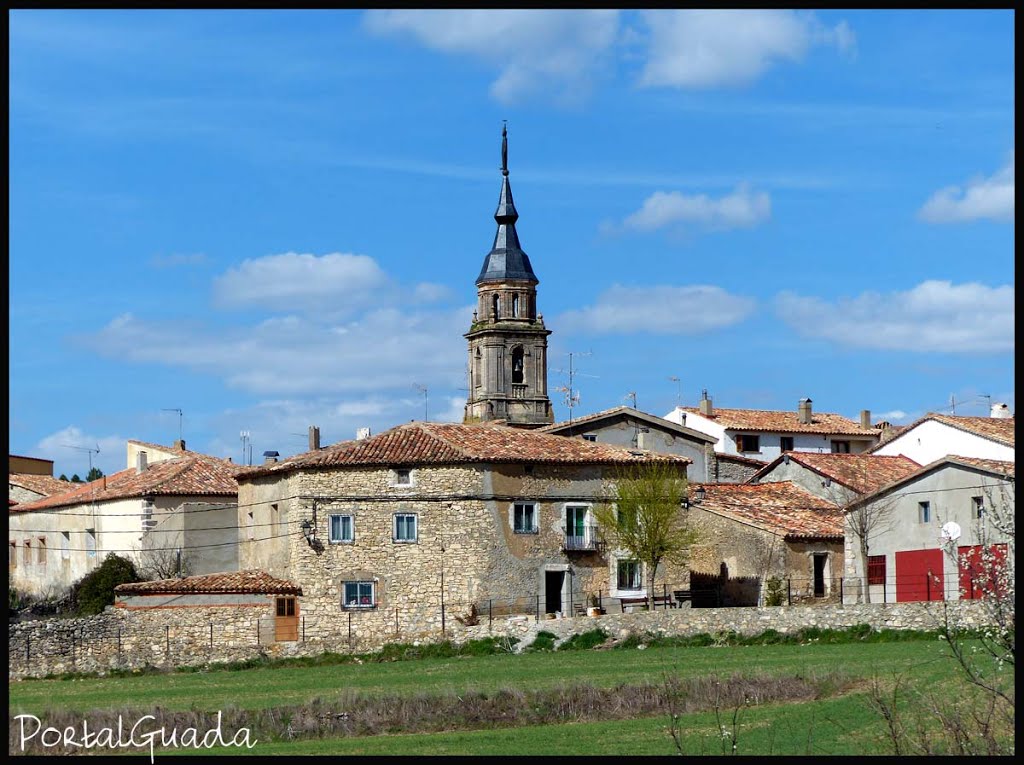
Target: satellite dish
x=951, y=531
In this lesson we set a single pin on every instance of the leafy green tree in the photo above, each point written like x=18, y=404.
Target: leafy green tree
x=95, y=590
x=649, y=519
x=94, y=474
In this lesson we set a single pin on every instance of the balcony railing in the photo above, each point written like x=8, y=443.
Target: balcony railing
x=583, y=538
x=518, y=390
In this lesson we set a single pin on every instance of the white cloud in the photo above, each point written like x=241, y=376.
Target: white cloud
x=533, y=48
x=896, y=415
x=293, y=282
x=991, y=198
x=57, y=447
x=934, y=316
x=710, y=48
x=740, y=209
x=659, y=310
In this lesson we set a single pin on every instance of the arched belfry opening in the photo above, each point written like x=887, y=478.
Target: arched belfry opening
x=500, y=386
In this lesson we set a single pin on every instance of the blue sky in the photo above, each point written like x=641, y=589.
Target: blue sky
x=273, y=219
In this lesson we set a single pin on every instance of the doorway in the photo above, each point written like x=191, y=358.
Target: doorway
x=554, y=581
x=820, y=559
x=286, y=621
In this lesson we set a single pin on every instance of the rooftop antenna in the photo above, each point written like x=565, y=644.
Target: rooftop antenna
x=679, y=389
x=246, y=437
x=423, y=389
x=988, y=400
x=632, y=397
x=179, y=419
x=952, y=404
x=85, y=449
x=572, y=396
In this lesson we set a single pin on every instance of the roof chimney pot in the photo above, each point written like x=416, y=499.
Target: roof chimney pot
x=706, y=407
x=179, y=445
x=865, y=418
x=314, y=438
x=803, y=410
x=141, y=462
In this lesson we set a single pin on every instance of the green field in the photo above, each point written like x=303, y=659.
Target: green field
x=838, y=724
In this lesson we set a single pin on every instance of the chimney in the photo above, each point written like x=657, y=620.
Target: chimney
x=362, y=433
x=803, y=410
x=314, y=438
x=865, y=419
x=706, y=407
x=1000, y=412
x=141, y=462
x=269, y=458
x=179, y=445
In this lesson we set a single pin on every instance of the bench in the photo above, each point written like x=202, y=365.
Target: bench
x=662, y=601
x=682, y=596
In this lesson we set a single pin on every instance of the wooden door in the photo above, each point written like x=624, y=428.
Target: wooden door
x=286, y=622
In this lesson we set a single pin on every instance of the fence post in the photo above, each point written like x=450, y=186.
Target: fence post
x=28, y=648
x=211, y=636
x=396, y=622
x=841, y=591
x=443, y=632
x=928, y=585
x=167, y=639
x=789, y=591
x=664, y=589
x=538, y=608
x=885, y=588
x=490, y=613
x=350, y=630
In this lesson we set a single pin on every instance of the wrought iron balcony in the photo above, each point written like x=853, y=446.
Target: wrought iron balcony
x=582, y=539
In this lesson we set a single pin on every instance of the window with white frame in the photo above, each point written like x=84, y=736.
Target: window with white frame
x=628, y=575
x=90, y=542
x=405, y=527
x=401, y=477
x=524, y=518
x=341, y=528
x=148, y=522
x=65, y=545
x=358, y=595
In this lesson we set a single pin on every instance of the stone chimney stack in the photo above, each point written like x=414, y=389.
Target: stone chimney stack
x=706, y=407
x=180, y=445
x=270, y=457
x=141, y=462
x=803, y=410
x=314, y=438
x=865, y=418
x=1000, y=412
x=362, y=433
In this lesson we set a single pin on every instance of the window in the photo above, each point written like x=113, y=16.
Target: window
x=786, y=443
x=26, y=556
x=358, y=595
x=405, y=527
x=341, y=529
x=748, y=443
x=12, y=558
x=403, y=477
x=477, y=377
x=524, y=518
x=590, y=437
x=147, y=515
x=494, y=306
x=41, y=551
x=65, y=545
x=517, y=365
x=924, y=512
x=977, y=507
x=840, y=447
x=286, y=606
x=629, y=575
x=90, y=542
x=876, y=569
x=515, y=306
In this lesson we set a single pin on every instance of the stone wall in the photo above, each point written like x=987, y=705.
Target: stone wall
x=733, y=471
x=174, y=637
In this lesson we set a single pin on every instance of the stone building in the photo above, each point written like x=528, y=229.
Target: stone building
x=508, y=343
x=185, y=501
x=751, y=532
x=839, y=478
x=430, y=522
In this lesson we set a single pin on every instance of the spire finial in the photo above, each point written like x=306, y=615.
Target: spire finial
x=504, y=147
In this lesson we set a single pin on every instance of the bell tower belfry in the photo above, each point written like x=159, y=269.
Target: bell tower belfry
x=508, y=344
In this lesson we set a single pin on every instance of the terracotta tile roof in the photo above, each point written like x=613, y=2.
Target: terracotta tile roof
x=176, y=451
x=825, y=423
x=580, y=424
x=722, y=457
x=998, y=468
x=197, y=475
x=230, y=582
x=998, y=429
x=780, y=507
x=861, y=472
x=431, y=443
x=40, y=484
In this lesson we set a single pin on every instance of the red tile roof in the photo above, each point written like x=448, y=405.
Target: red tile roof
x=723, y=457
x=780, y=507
x=40, y=484
x=176, y=451
x=230, y=582
x=197, y=475
x=431, y=443
x=998, y=429
x=998, y=468
x=624, y=412
x=825, y=423
x=861, y=472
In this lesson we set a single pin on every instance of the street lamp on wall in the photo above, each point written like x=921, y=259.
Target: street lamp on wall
x=307, y=531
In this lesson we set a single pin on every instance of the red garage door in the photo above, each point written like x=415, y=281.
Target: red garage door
x=918, y=575
x=981, y=575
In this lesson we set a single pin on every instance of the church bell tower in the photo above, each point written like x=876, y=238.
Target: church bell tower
x=508, y=344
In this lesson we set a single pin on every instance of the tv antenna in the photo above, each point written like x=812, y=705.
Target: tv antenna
x=174, y=409
x=631, y=396
x=679, y=389
x=572, y=396
x=85, y=449
x=423, y=389
x=246, y=437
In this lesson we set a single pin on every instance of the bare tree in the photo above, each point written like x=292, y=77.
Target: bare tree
x=163, y=563
x=865, y=519
x=763, y=556
x=649, y=520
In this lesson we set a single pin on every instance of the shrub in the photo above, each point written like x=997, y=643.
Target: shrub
x=94, y=591
x=773, y=591
x=545, y=641
x=585, y=640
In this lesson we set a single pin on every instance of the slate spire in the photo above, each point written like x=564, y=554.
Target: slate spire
x=506, y=260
